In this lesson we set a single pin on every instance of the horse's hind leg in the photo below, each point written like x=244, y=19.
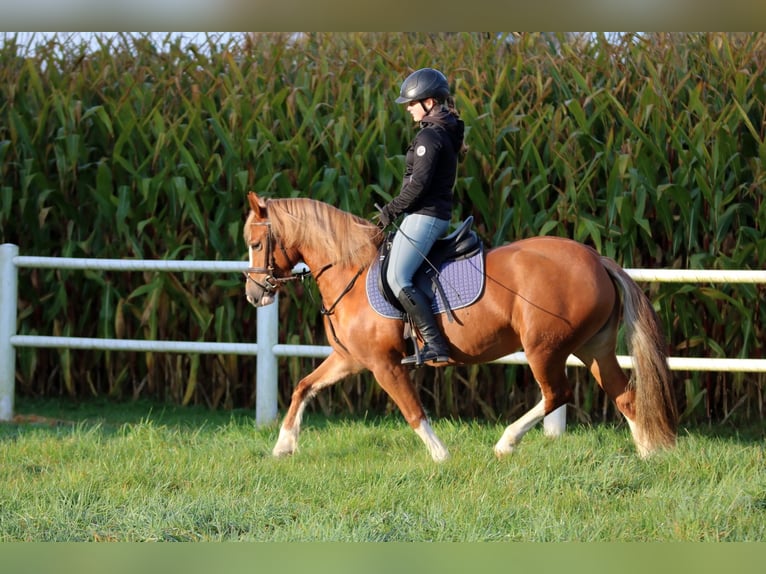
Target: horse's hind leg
x=600, y=356
x=550, y=374
x=515, y=431
x=612, y=379
x=331, y=370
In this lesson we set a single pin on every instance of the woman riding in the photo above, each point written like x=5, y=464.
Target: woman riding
x=425, y=199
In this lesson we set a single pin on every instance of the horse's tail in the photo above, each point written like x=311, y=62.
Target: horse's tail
x=656, y=410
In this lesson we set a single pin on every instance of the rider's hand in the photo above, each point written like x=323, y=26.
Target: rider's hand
x=384, y=217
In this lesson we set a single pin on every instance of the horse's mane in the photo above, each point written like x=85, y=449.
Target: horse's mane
x=349, y=240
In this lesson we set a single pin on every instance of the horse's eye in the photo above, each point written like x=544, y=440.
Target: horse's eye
x=256, y=246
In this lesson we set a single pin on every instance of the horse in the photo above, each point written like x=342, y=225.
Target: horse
x=550, y=296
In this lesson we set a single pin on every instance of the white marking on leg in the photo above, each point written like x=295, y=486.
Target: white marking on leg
x=287, y=442
x=435, y=447
x=643, y=450
x=555, y=423
x=515, y=431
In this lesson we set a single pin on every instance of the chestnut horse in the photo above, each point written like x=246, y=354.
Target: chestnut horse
x=550, y=296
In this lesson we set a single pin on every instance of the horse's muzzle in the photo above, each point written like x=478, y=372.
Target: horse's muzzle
x=257, y=295
x=265, y=299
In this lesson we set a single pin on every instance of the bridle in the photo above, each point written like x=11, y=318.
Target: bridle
x=271, y=282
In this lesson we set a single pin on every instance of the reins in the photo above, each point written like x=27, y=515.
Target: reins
x=327, y=312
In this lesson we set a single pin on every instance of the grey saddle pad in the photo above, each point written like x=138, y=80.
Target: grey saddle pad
x=462, y=282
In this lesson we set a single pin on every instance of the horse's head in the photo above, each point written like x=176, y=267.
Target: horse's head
x=269, y=262
x=281, y=233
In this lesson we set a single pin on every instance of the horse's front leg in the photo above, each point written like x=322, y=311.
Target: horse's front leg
x=331, y=370
x=395, y=380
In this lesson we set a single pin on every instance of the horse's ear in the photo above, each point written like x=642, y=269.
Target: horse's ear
x=257, y=204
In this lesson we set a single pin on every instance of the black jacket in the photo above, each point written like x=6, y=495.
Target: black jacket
x=431, y=168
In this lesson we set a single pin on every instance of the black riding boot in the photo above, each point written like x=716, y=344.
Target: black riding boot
x=419, y=309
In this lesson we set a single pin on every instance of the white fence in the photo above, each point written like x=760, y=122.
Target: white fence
x=266, y=346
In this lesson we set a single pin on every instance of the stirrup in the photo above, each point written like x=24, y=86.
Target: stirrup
x=425, y=355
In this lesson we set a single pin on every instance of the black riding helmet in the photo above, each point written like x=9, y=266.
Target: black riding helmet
x=422, y=84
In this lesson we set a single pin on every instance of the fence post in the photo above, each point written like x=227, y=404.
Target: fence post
x=266, y=364
x=8, y=313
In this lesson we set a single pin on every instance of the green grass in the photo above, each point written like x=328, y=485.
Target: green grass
x=143, y=472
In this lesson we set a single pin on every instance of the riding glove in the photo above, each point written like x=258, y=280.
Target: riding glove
x=384, y=217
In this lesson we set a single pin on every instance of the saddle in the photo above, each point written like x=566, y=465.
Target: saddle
x=456, y=259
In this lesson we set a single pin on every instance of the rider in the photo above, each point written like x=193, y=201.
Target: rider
x=425, y=199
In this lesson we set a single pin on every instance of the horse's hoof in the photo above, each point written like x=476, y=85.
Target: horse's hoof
x=501, y=451
x=281, y=452
x=440, y=456
x=287, y=443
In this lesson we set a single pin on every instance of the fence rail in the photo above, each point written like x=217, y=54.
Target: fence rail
x=267, y=348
